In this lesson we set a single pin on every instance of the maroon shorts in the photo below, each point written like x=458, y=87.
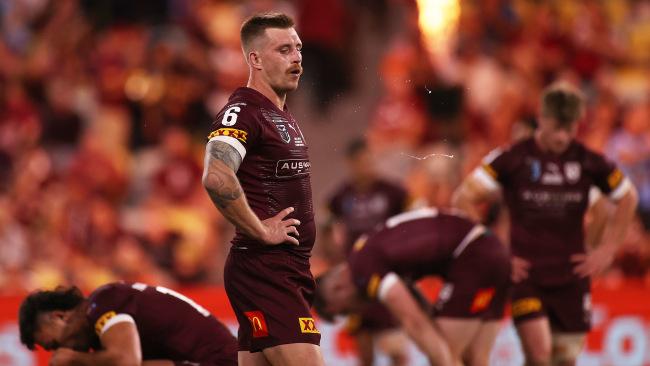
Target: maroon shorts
x=271, y=292
x=477, y=282
x=567, y=307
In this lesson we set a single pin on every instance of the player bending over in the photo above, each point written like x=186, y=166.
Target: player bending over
x=124, y=325
x=415, y=244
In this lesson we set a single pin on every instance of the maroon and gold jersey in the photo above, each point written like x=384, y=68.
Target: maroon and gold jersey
x=275, y=168
x=170, y=325
x=361, y=211
x=410, y=245
x=547, y=196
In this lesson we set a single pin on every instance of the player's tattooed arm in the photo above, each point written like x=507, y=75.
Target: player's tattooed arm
x=221, y=163
x=225, y=191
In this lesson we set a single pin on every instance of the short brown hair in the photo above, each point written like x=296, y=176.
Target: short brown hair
x=563, y=103
x=255, y=25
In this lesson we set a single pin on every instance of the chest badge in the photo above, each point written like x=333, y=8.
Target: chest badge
x=572, y=171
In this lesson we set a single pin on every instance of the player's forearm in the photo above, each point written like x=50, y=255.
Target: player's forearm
x=598, y=215
x=622, y=216
x=226, y=193
x=464, y=200
x=428, y=340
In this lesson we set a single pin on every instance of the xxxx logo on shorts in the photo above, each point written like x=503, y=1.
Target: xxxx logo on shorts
x=307, y=325
x=258, y=323
x=482, y=299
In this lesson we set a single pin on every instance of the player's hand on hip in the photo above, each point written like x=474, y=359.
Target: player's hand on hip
x=520, y=269
x=593, y=263
x=62, y=357
x=279, y=230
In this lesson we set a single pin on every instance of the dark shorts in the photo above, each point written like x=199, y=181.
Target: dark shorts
x=568, y=307
x=477, y=282
x=374, y=318
x=271, y=292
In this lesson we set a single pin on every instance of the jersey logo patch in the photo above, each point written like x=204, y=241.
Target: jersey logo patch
x=525, y=306
x=572, y=171
x=291, y=167
x=482, y=300
x=232, y=132
x=307, y=325
x=101, y=322
x=284, y=134
x=258, y=323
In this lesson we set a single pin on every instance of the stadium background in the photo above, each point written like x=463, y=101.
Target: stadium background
x=106, y=105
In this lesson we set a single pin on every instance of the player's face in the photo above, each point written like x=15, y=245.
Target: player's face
x=556, y=137
x=62, y=329
x=339, y=292
x=361, y=165
x=281, y=58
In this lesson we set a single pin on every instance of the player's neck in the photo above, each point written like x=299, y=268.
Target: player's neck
x=265, y=89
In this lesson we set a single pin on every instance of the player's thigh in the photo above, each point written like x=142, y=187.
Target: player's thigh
x=394, y=344
x=294, y=354
x=458, y=333
x=478, y=352
x=246, y=358
x=535, y=337
x=566, y=348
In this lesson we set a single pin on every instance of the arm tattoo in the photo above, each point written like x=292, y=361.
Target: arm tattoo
x=226, y=153
x=222, y=185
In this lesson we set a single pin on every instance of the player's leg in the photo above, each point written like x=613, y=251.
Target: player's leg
x=566, y=348
x=245, y=358
x=365, y=347
x=535, y=337
x=294, y=354
x=458, y=333
x=394, y=344
x=479, y=349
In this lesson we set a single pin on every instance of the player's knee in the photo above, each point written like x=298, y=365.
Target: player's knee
x=566, y=348
x=538, y=355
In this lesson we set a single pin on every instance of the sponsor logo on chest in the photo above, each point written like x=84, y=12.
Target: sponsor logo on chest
x=291, y=167
x=553, y=175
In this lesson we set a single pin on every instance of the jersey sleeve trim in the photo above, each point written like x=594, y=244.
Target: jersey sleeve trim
x=386, y=284
x=620, y=191
x=116, y=319
x=487, y=178
x=232, y=142
x=472, y=235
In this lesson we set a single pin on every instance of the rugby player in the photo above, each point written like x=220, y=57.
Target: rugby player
x=425, y=242
x=124, y=324
x=545, y=181
x=257, y=173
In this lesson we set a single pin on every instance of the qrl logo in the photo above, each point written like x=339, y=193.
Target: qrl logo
x=307, y=325
x=258, y=323
x=292, y=167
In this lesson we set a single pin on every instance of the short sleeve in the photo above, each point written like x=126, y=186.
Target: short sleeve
x=494, y=170
x=238, y=125
x=367, y=271
x=607, y=176
x=110, y=305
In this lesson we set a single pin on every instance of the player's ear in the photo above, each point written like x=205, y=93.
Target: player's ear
x=255, y=60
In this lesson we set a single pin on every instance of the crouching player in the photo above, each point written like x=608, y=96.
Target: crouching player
x=473, y=263
x=124, y=324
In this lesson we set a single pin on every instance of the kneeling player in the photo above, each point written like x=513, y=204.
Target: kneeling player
x=473, y=263
x=125, y=324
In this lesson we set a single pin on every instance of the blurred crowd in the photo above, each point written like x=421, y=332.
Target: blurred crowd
x=106, y=106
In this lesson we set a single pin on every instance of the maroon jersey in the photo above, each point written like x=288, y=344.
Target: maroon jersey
x=361, y=211
x=275, y=171
x=170, y=325
x=547, y=196
x=411, y=245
